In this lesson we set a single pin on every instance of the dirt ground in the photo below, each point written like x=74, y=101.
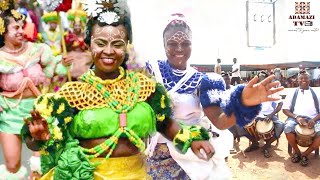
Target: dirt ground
x=278, y=167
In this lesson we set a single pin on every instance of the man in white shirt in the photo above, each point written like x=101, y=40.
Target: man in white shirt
x=235, y=72
x=304, y=111
x=315, y=77
x=217, y=67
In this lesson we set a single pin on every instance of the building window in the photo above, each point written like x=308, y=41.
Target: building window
x=260, y=23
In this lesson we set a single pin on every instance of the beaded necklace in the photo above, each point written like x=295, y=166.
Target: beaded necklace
x=120, y=106
x=16, y=51
x=52, y=36
x=12, y=106
x=107, y=81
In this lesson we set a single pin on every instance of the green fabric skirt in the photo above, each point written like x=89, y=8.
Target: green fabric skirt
x=11, y=118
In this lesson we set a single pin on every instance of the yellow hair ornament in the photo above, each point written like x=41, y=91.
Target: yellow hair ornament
x=4, y=5
x=2, y=29
x=16, y=14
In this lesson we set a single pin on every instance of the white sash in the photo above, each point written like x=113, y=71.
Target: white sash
x=155, y=68
x=183, y=80
x=158, y=138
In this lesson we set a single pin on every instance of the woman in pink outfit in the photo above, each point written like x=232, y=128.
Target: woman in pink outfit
x=25, y=68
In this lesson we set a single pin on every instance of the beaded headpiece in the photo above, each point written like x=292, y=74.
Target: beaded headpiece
x=106, y=11
x=177, y=20
x=50, y=17
x=5, y=6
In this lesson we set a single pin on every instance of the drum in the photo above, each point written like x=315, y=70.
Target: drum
x=251, y=129
x=265, y=129
x=304, y=135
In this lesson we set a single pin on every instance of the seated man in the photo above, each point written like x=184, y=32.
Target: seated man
x=234, y=128
x=302, y=107
x=226, y=78
x=268, y=112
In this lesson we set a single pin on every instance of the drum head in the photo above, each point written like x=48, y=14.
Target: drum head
x=264, y=126
x=304, y=130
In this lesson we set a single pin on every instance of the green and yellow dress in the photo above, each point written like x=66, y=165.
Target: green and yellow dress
x=131, y=106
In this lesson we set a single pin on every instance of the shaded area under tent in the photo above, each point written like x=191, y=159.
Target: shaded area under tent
x=258, y=67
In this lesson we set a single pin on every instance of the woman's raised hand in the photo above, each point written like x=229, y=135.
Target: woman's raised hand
x=255, y=93
x=38, y=127
x=198, y=146
x=67, y=60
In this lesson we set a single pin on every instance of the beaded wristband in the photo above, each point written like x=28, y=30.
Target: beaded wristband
x=188, y=134
x=243, y=114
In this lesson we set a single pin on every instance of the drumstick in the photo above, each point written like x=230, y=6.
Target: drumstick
x=237, y=147
x=244, y=154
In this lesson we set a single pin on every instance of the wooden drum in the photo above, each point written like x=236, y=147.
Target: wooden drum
x=304, y=135
x=251, y=129
x=265, y=129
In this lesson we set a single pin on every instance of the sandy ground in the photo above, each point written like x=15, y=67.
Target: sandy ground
x=278, y=167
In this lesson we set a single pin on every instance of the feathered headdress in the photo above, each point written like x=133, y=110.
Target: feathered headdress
x=77, y=16
x=106, y=11
x=50, y=17
x=56, y=5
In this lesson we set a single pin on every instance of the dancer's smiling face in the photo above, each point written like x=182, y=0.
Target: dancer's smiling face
x=178, y=46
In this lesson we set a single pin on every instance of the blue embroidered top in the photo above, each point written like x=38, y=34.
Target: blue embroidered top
x=210, y=88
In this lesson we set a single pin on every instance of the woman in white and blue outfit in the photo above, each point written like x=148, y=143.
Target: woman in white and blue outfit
x=193, y=93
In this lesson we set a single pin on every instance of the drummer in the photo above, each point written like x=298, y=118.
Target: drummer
x=302, y=108
x=268, y=112
x=234, y=129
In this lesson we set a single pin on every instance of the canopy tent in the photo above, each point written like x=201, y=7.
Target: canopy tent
x=258, y=67
x=284, y=65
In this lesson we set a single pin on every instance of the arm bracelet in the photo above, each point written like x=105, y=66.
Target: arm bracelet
x=188, y=134
x=244, y=114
